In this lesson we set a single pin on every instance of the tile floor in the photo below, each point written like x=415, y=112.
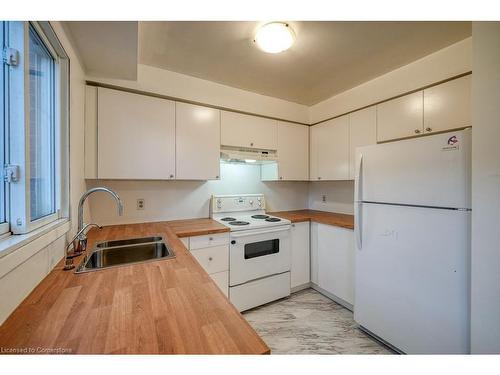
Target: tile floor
x=309, y=323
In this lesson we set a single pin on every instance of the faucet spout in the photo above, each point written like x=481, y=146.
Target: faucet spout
x=93, y=190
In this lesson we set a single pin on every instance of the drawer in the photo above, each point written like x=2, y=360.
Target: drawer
x=209, y=240
x=213, y=259
x=222, y=281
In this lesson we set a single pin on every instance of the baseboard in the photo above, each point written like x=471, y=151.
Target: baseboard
x=334, y=298
x=298, y=288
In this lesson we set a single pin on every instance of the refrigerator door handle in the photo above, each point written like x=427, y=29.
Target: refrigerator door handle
x=358, y=225
x=358, y=214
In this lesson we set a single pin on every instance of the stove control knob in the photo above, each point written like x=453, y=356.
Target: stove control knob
x=251, y=202
x=233, y=242
x=260, y=204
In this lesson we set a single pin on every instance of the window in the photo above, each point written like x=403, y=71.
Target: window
x=42, y=128
x=34, y=146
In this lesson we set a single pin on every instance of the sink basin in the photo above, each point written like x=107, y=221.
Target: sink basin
x=123, y=252
x=129, y=241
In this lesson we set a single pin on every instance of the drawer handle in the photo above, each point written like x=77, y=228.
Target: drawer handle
x=428, y=129
x=210, y=238
x=417, y=131
x=210, y=258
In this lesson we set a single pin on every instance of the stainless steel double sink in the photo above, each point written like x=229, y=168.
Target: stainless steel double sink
x=116, y=253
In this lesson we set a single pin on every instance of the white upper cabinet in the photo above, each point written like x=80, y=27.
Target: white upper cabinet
x=136, y=136
x=293, y=151
x=400, y=118
x=239, y=130
x=197, y=142
x=329, y=150
x=362, y=132
x=90, y=132
x=448, y=106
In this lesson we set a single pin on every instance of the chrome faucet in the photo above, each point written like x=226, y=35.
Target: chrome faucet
x=69, y=257
x=81, y=243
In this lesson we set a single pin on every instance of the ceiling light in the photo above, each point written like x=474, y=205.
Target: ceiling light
x=274, y=37
x=250, y=161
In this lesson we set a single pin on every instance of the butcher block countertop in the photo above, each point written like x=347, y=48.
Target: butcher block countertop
x=323, y=217
x=165, y=306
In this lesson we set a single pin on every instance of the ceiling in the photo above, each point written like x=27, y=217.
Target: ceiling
x=106, y=49
x=326, y=59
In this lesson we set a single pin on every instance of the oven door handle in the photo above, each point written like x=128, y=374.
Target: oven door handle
x=247, y=233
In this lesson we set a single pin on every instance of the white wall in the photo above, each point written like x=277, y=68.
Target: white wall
x=485, y=288
x=445, y=63
x=169, y=200
x=24, y=268
x=164, y=82
x=339, y=196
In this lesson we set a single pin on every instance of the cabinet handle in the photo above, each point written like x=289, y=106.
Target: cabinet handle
x=210, y=238
x=428, y=129
x=251, y=144
x=210, y=258
x=319, y=178
x=417, y=131
x=171, y=176
x=281, y=177
x=216, y=177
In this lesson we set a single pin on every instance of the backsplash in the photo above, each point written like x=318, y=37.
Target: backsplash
x=169, y=200
x=338, y=196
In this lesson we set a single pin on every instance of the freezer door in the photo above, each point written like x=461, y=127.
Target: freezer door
x=427, y=171
x=412, y=277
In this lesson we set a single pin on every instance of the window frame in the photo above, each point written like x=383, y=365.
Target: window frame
x=5, y=224
x=19, y=112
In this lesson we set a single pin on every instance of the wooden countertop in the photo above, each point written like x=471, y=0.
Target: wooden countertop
x=323, y=217
x=165, y=306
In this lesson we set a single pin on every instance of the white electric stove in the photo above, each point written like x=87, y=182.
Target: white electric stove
x=259, y=256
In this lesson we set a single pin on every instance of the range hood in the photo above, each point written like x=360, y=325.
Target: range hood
x=247, y=156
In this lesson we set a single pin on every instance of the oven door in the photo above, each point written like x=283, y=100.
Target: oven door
x=258, y=253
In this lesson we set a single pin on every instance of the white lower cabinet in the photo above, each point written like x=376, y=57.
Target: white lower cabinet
x=300, y=267
x=212, y=253
x=332, y=261
x=222, y=281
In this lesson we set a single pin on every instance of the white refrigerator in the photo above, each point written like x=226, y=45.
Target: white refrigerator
x=412, y=228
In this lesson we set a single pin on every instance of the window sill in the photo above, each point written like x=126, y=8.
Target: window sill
x=53, y=230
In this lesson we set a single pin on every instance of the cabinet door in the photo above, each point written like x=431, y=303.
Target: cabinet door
x=197, y=141
x=136, y=136
x=90, y=132
x=362, y=132
x=222, y=281
x=300, y=270
x=401, y=117
x=293, y=151
x=336, y=261
x=247, y=131
x=448, y=106
x=330, y=150
x=314, y=252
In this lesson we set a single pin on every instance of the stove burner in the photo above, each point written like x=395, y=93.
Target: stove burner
x=238, y=222
x=273, y=219
x=228, y=219
x=260, y=216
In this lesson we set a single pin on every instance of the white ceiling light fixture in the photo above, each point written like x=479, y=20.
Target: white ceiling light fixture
x=274, y=37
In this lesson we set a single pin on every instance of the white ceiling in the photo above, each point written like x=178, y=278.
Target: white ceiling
x=107, y=49
x=326, y=59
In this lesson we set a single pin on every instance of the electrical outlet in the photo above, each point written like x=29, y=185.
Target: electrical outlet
x=323, y=198
x=141, y=204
